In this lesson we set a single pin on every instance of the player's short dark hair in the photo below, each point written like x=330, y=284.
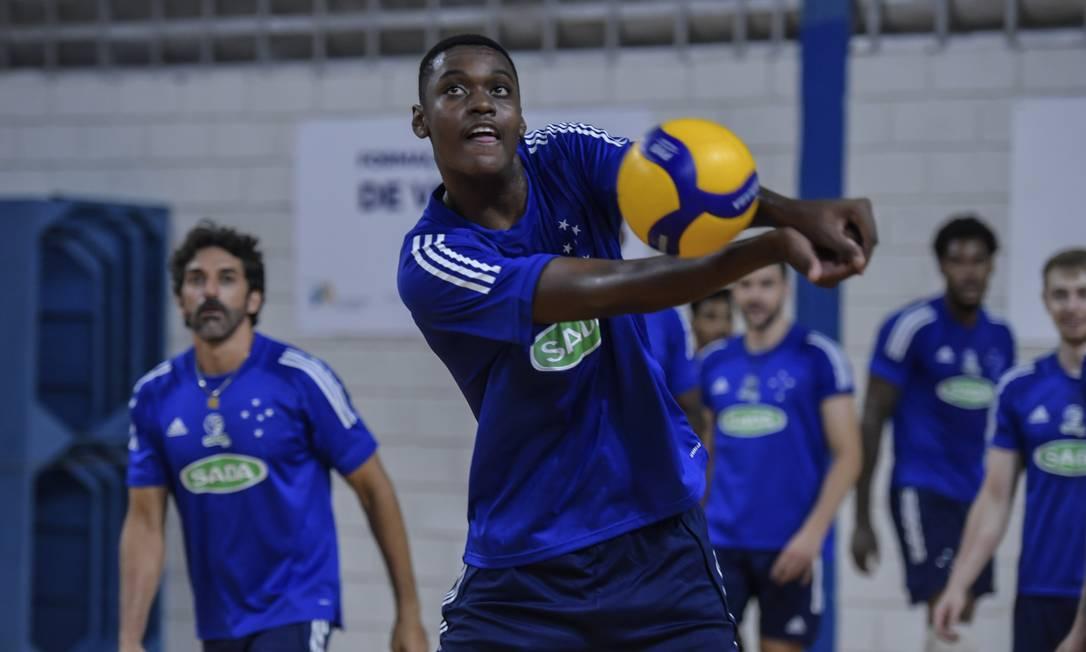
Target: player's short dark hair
x=1071, y=259
x=724, y=295
x=426, y=65
x=965, y=226
x=209, y=234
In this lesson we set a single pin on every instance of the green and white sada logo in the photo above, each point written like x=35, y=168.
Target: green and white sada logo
x=746, y=420
x=224, y=473
x=563, y=345
x=1065, y=457
x=966, y=392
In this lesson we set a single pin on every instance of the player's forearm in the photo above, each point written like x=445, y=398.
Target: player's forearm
x=836, y=485
x=984, y=529
x=871, y=445
x=773, y=209
x=386, y=523
x=572, y=289
x=142, y=554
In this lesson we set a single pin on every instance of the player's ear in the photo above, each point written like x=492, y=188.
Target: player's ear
x=254, y=302
x=523, y=128
x=418, y=122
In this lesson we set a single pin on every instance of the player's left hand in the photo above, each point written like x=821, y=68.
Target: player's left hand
x=409, y=636
x=842, y=231
x=797, y=559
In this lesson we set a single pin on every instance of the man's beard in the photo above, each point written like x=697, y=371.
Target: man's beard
x=214, y=330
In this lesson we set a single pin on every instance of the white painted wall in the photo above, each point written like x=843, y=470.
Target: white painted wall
x=928, y=135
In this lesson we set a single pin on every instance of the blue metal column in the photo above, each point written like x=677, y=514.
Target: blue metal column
x=824, y=42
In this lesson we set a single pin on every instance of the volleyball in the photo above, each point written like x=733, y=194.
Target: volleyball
x=688, y=188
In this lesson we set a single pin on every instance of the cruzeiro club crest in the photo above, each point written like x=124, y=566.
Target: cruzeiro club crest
x=215, y=427
x=970, y=390
x=564, y=345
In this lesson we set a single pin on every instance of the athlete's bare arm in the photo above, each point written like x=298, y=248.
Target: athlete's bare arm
x=879, y=406
x=817, y=238
x=143, y=548
x=378, y=499
x=984, y=529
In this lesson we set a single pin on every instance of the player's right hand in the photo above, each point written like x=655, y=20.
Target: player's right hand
x=865, y=548
x=948, y=612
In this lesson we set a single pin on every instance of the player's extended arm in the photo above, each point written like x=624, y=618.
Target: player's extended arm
x=815, y=237
x=879, y=405
x=143, y=548
x=984, y=529
x=378, y=499
x=1075, y=641
x=843, y=439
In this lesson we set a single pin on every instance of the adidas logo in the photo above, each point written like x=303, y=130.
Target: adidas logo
x=177, y=428
x=796, y=627
x=1039, y=415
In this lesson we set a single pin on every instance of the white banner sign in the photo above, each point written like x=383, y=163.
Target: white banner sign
x=360, y=185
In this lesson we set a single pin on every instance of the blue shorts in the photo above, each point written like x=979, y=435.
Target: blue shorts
x=656, y=588
x=929, y=528
x=789, y=612
x=309, y=636
x=1041, y=622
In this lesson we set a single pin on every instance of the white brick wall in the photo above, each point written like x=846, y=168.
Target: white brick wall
x=928, y=135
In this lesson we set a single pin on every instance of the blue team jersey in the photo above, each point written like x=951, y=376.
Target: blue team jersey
x=946, y=374
x=672, y=344
x=251, y=482
x=578, y=438
x=770, y=453
x=1039, y=415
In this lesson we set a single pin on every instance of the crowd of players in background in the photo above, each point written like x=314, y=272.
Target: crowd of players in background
x=966, y=421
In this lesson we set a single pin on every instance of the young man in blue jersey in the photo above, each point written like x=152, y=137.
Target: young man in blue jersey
x=1038, y=424
x=243, y=431
x=711, y=318
x=787, y=448
x=584, y=531
x=933, y=371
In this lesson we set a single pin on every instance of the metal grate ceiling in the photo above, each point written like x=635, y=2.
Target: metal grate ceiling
x=110, y=33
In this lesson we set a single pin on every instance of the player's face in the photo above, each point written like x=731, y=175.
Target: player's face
x=1065, y=299
x=760, y=296
x=471, y=112
x=215, y=298
x=967, y=267
x=712, y=321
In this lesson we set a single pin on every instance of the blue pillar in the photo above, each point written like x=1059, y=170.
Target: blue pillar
x=824, y=42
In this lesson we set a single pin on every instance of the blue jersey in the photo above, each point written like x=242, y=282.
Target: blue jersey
x=946, y=374
x=251, y=482
x=770, y=453
x=672, y=344
x=1040, y=416
x=579, y=439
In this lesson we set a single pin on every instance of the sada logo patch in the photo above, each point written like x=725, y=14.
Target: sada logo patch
x=1065, y=457
x=223, y=474
x=752, y=420
x=563, y=345
x=966, y=392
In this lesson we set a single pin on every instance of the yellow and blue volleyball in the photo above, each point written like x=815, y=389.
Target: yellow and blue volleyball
x=688, y=188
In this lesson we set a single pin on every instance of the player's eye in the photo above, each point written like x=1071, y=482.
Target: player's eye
x=501, y=90
x=455, y=90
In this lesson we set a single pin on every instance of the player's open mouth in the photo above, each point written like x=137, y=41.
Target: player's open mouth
x=484, y=135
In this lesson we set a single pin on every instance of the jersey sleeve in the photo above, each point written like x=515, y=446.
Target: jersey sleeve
x=682, y=368
x=1003, y=427
x=338, y=435
x=832, y=371
x=146, y=468
x=596, y=154
x=894, y=349
x=457, y=283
